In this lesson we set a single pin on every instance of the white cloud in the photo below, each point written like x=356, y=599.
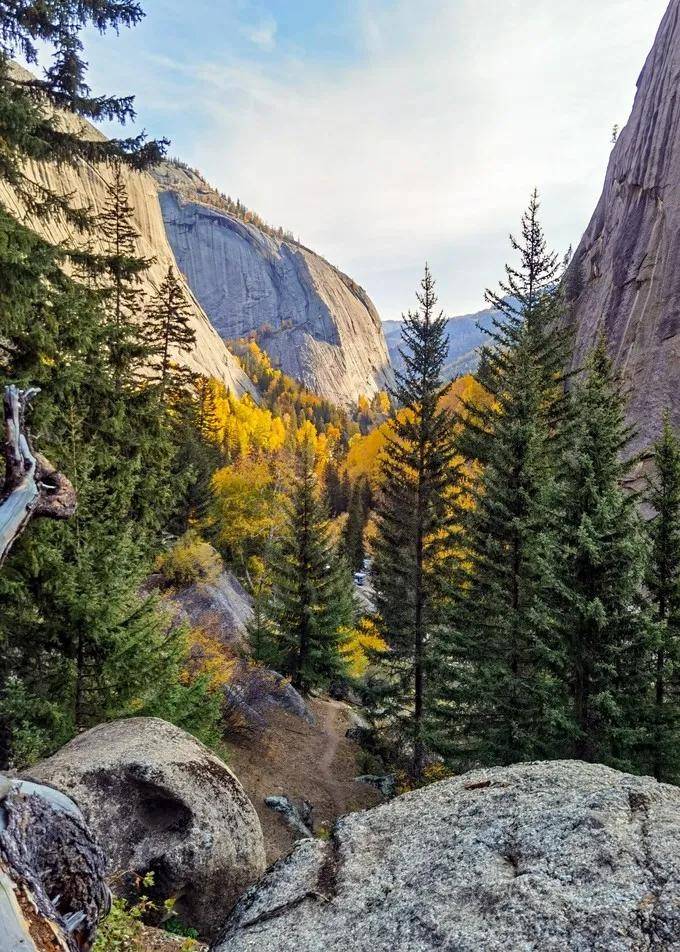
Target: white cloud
x=429, y=145
x=263, y=34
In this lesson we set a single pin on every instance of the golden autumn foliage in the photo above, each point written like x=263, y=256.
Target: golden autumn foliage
x=208, y=657
x=359, y=644
x=188, y=561
x=247, y=505
x=363, y=457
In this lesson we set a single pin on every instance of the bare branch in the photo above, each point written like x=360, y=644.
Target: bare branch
x=32, y=487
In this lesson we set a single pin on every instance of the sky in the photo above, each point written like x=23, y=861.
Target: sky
x=384, y=133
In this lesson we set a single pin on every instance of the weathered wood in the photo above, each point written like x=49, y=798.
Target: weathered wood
x=32, y=487
x=53, y=889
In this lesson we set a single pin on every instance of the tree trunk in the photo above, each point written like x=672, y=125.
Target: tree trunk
x=32, y=487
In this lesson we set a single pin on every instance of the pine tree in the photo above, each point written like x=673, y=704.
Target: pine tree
x=602, y=566
x=30, y=131
x=122, y=269
x=311, y=599
x=500, y=694
x=353, y=530
x=663, y=586
x=414, y=518
x=167, y=329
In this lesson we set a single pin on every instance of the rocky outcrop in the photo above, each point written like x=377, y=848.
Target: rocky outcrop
x=221, y=606
x=547, y=856
x=159, y=801
x=315, y=322
x=624, y=280
x=87, y=185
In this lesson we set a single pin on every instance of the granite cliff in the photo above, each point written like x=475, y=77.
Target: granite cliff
x=315, y=322
x=624, y=279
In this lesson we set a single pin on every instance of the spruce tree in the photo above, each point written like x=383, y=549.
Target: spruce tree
x=29, y=126
x=122, y=270
x=500, y=697
x=602, y=557
x=663, y=586
x=311, y=598
x=167, y=329
x=415, y=518
x=353, y=530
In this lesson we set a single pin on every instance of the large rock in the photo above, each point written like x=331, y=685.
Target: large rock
x=538, y=857
x=624, y=280
x=159, y=801
x=315, y=322
x=222, y=607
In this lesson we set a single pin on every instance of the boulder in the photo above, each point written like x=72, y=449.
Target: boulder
x=299, y=820
x=537, y=857
x=159, y=801
x=254, y=691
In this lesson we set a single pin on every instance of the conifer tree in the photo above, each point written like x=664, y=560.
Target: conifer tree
x=167, y=329
x=415, y=517
x=663, y=585
x=602, y=557
x=353, y=530
x=500, y=695
x=122, y=269
x=311, y=599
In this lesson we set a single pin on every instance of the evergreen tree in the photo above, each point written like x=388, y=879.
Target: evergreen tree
x=334, y=490
x=602, y=567
x=29, y=126
x=311, y=599
x=353, y=530
x=663, y=585
x=500, y=694
x=122, y=269
x=415, y=517
x=168, y=328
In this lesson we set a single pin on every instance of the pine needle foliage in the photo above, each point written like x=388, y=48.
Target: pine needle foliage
x=500, y=694
x=663, y=585
x=415, y=519
x=603, y=621
x=311, y=597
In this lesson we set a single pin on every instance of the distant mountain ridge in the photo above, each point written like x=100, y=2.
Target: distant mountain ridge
x=465, y=333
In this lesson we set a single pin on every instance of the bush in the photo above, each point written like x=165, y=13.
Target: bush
x=189, y=561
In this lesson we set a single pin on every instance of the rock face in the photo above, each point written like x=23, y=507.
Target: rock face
x=315, y=322
x=158, y=800
x=88, y=184
x=625, y=277
x=222, y=606
x=542, y=857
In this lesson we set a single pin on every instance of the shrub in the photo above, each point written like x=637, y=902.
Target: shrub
x=190, y=560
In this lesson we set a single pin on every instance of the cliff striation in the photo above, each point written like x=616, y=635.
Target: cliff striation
x=315, y=322
x=624, y=280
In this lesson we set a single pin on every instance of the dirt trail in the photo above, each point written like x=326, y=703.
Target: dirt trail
x=316, y=763
x=334, y=728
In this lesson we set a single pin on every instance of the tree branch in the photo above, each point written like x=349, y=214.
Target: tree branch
x=32, y=487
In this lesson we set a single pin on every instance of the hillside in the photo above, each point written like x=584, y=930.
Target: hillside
x=316, y=324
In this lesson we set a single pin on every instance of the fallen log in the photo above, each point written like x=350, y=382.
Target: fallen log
x=53, y=890
x=32, y=487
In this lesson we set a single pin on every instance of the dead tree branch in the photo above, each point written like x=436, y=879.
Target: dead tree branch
x=32, y=487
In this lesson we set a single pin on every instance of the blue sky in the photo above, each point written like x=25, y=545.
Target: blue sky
x=387, y=133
